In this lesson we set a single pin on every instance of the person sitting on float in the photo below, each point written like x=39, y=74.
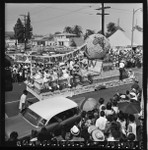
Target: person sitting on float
x=76, y=72
x=66, y=74
x=38, y=75
x=55, y=77
x=46, y=78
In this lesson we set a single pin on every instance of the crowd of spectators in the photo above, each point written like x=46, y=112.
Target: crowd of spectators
x=132, y=57
x=105, y=123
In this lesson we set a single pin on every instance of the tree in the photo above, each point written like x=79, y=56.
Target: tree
x=88, y=33
x=111, y=27
x=73, y=44
x=68, y=30
x=19, y=31
x=77, y=30
x=28, y=28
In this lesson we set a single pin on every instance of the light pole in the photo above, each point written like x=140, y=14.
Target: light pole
x=132, y=38
x=25, y=16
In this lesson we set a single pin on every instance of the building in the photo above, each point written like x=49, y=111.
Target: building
x=44, y=41
x=63, y=39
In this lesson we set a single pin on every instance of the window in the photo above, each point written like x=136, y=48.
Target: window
x=64, y=115
x=34, y=118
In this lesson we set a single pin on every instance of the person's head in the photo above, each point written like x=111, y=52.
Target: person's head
x=115, y=117
x=25, y=92
x=103, y=108
x=101, y=101
x=131, y=118
x=121, y=116
x=102, y=113
x=109, y=118
x=114, y=125
x=116, y=134
x=131, y=137
x=13, y=135
x=83, y=114
x=114, y=103
x=109, y=105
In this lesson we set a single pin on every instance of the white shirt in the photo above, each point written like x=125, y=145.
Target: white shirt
x=101, y=123
x=22, y=101
x=108, y=112
x=71, y=65
x=116, y=109
x=121, y=65
x=123, y=125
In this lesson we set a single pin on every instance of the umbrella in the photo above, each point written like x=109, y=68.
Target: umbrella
x=129, y=107
x=97, y=46
x=89, y=104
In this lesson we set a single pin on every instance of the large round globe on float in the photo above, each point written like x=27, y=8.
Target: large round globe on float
x=97, y=46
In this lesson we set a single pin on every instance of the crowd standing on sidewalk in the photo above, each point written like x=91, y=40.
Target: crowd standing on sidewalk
x=105, y=123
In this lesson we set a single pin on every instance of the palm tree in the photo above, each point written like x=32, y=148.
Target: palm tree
x=77, y=30
x=88, y=33
x=67, y=29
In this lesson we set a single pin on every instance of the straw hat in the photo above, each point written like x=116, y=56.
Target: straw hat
x=98, y=135
x=91, y=128
x=74, y=130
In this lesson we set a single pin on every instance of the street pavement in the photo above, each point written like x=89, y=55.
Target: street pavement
x=12, y=98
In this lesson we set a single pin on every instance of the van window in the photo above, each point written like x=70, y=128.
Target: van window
x=67, y=114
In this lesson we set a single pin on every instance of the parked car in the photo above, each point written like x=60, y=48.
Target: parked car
x=53, y=113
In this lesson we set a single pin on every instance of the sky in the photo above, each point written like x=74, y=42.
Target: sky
x=49, y=18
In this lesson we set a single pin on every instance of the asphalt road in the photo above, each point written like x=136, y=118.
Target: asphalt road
x=12, y=98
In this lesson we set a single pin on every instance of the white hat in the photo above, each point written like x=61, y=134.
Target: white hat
x=98, y=135
x=61, y=64
x=91, y=128
x=74, y=130
x=133, y=96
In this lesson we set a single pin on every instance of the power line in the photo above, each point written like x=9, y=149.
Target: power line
x=52, y=18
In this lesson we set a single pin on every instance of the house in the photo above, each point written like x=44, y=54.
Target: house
x=43, y=41
x=10, y=41
x=63, y=39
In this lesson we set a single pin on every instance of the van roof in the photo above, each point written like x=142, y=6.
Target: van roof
x=50, y=107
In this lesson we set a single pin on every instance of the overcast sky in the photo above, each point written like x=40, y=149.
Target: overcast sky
x=52, y=17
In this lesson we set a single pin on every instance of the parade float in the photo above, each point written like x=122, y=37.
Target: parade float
x=94, y=51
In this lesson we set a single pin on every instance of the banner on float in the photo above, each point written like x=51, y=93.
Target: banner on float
x=48, y=59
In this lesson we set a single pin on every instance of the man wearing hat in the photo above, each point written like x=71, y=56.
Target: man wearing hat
x=75, y=134
x=97, y=135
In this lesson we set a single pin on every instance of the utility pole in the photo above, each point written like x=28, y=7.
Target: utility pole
x=25, y=21
x=103, y=15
